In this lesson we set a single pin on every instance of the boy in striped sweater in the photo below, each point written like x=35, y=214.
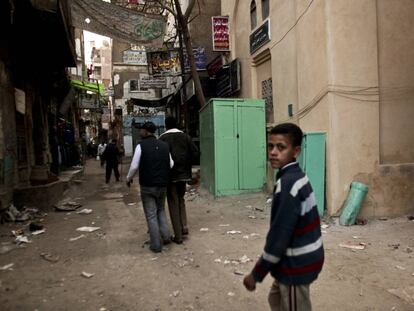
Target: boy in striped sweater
x=293, y=253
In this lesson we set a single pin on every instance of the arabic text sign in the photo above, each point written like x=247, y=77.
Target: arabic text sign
x=135, y=57
x=259, y=37
x=221, y=33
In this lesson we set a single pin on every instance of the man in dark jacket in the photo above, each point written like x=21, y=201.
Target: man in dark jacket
x=183, y=151
x=111, y=156
x=153, y=160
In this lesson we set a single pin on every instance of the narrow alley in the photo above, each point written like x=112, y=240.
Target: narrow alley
x=205, y=273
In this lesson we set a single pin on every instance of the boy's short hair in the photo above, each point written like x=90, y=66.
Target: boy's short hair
x=292, y=130
x=170, y=122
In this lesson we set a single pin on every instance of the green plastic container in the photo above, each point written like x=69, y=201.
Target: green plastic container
x=353, y=203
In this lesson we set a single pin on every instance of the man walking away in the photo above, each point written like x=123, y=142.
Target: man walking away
x=183, y=151
x=153, y=160
x=111, y=156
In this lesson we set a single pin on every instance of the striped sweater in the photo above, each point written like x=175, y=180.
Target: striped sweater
x=293, y=253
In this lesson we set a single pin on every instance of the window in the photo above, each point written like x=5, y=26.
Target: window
x=253, y=17
x=265, y=9
x=133, y=85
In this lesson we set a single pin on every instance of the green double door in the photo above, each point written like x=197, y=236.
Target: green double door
x=239, y=140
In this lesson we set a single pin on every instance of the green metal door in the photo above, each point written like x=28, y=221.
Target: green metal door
x=251, y=145
x=312, y=162
x=225, y=125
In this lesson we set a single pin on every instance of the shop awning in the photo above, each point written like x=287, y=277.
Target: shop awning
x=152, y=102
x=89, y=86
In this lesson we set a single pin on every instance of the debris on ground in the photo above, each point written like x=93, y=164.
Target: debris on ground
x=88, y=229
x=410, y=217
x=400, y=267
x=27, y=213
x=361, y=222
x=406, y=294
x=87, y=274
x=113, y=195
x=408, y=250
x=210, y=252
x=77, y=238
x=8, y=267
x=383, y=218
x=85, y=211
x=204, y=229
x=244, y=259
x=252, y=217
x=269, y=201
x=237, y=272
x=131, y=204
x=359, y=246
x=22, y=239
x=49, y=257
x=394, y=246
x=234, y=232
x=35, y=226
x=254, y=234
x=324, y=226
x=67, y=206
x=218, y=260
x=18, y=232
x=231, y=294
x=175, y=293
x=224, y=225
x=38, y=232
x=259, y=209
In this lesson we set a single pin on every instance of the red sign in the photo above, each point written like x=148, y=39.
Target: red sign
x=221, y=33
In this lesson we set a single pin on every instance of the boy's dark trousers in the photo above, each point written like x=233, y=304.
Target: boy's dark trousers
x=289, y=297
x=109, y=167
x=176, y=206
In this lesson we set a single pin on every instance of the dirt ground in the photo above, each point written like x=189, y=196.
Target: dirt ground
x=201, y=274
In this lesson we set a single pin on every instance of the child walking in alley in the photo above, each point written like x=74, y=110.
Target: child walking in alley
x=293, y=253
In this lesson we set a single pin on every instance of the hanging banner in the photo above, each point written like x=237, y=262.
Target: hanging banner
x=221, y=33
x=119, y=23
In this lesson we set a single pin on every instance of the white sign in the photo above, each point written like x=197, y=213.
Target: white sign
x=135, y=57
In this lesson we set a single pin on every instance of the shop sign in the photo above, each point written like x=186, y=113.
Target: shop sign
x=164, y=63
x=221, y=33
x=260, y=37
x=228, y=79
x=135, y=57
x=153, y=83
x=214, y=66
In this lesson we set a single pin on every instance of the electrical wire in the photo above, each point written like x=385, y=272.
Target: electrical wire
x=293, y=26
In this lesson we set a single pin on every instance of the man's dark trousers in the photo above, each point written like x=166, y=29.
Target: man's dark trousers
x=176, y=206
x=109, y=168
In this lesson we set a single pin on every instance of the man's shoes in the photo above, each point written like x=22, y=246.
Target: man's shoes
x=166, y=242
x=154, y=250
x=185, y=231
x=176, y=241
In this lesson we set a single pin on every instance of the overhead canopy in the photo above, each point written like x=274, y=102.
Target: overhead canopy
x=88, y=86
x=118, y=23
x=152, y=102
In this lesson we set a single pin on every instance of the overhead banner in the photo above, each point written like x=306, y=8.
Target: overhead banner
x=119, y=23
x=221, y=33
